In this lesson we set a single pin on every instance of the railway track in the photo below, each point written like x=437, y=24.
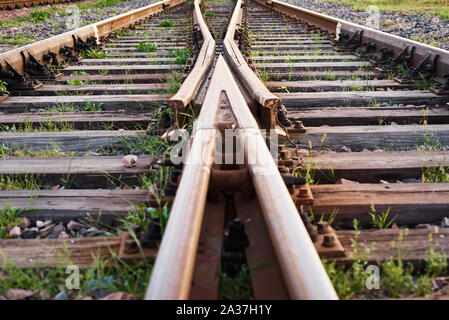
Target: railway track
x=359, y=130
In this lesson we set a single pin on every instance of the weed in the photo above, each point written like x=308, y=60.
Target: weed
x=146, y=47
x=237, y=287
x=90, y=106
x=3, y=89
x=380, y=221
x=9, y=217
x=167, y=23
x=94, y=54
x=181, y=55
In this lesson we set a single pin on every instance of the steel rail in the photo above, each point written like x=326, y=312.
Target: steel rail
x=99, y=29
x=253, y=84
x=204, y=60
x=304, y=274
x=382, y=39
x=172, y=274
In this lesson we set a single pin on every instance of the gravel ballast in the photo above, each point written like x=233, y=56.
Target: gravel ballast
x=423, y=28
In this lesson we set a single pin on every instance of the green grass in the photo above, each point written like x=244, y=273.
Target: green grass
x=9, y=217
x=167, y=23
x=146, y=47
x=94, y=54
x=19, y=182
x=380, y=220
x=209, y=14
x=181, y=55
x=3, y=89
x=237, y=287
x=52, y=151
x=439, y=174
x=397, y=278
x=105, y=274
x=433, y=7
x=17, y=39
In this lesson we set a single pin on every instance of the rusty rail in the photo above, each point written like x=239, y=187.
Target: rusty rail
x=253, y=84
x=368, y=35
x=100, y=29
x=205, y=58
x=172, y=274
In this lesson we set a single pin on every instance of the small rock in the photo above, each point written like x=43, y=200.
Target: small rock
x=129, y=160
x=18, y=294
x=345, y=149
x=44, y=294
x=346, y=181
x=383, y=182
x=119, y=296
x=63, y=235
x=423, y=226
x=25, y=223
x=15, y=232
x=62, y=296
x=83, y=231
x=73, y=225
x=393, y=123
x=57, y=230
x=394, y=226
x=56, y=187
x=398, y=26
x=39, y=223
x=91, y=154
x=46, y=229
x=445, y=223
x=29, y=234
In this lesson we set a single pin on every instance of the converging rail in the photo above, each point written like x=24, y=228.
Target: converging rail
x=284, y=115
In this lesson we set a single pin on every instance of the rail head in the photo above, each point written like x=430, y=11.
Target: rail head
x=252, y=83
x=15, y=58
x=205, y=58
x=368, y=35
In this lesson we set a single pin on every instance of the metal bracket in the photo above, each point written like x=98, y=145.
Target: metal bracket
x=69, y=54
x=81, y=45
x=324, y=238
x=367, y=50
x=426, y=69
x=224, y=178
x=17, y=81
x=386, y=55
x=347, y=42
x=404, y=58
x=52, y=59
x=36, y=69
x=441, y=85
x=130, y=251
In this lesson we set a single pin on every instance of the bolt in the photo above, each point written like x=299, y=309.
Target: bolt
x=329, y=240
x=323, y=227
x=298, y=125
